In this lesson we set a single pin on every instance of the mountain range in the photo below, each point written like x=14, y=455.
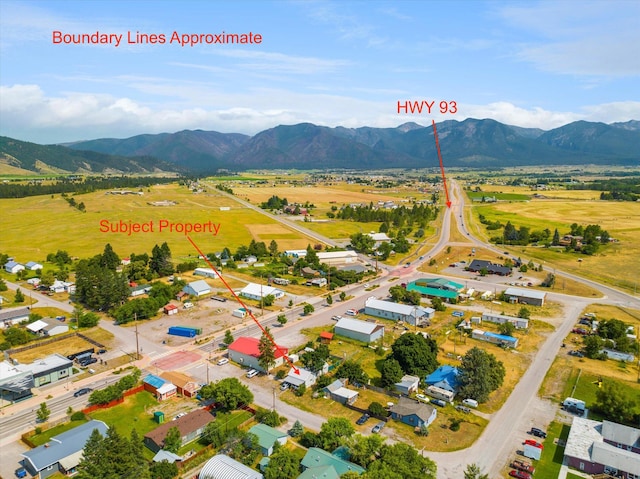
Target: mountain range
x=469, y=143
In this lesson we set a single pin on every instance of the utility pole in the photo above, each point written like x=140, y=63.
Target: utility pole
x=135, y=320
x=207, y=372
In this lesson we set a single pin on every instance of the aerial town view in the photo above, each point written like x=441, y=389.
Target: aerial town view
x=320, y=239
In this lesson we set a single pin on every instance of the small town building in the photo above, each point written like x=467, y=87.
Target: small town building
x=268, y=437
x=519, y=323
x=9, y=317
x=316, y=457
x=478, y=265
x=493, y=338
x=304, y=376
x=525, y=296
x=337, y=257
x=48, y=370
x=168, y=456
x=408, y=384
x=445, y=377
x=414, y=315
x=33, y=266
x=48, y=327
x=170, y=309
x=364, y=331
x=139, y=290
x=258, y=292
x=339, y=393
x=206, y=272
x=319, y=282
x=191, y=427
x=326, y=337
x=63, y=452
x=197, y=288
x=413, y=413
x=436, y=288
x=245, y=351
x=223, y=467
x=159, y=387
x=185, y=385
x=13, y=267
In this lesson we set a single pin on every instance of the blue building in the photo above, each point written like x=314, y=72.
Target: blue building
x=494, y=338
x=445, y=377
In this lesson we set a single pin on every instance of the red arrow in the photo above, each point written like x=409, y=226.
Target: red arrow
x=444, y=179
x=268, y=335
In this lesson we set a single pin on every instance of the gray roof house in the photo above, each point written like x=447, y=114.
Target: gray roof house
x=223, y=467
x=364, y=331
x=408, y=384
x=62, y=453
x=13, y=267
x=413, y=413
x=414, y=315
x=13, y=316
x=339, y=393
x=197, y=288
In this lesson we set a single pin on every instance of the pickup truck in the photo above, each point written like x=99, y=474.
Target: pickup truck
x=523, y=466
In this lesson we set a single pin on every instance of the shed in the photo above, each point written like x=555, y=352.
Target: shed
x=326, y=337
x=197, y=288
x=170, y=309
x=364, y=331
x=339, y=393
x=408, y=384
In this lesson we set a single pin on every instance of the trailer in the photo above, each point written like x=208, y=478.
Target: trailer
x=184, y=331
x=574, y=405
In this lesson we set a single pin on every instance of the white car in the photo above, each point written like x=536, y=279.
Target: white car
x=422, y=397
x=223, y=361
x=252, y=373
x=351, y=312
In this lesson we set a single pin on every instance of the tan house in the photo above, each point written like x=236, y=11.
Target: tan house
x=186, y=385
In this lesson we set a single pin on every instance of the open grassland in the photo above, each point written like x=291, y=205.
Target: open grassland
x=511, y=193
x=56, y=225
x=615, y=263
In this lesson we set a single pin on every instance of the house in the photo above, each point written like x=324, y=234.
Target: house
x=337, y=257
x=246, y=351
x=197, y=288
x=603, y=447
x=168, y=456
x=320, y=472
x=339, y=393
x=10, y=317
x=408, y=384
x=379, y=238
x=191, y=427
x=48, y=327
x=519, y=323
x=268, y=437
x=445, y=377
x=316, y=457
x=524, y=296
x=309, y=272
x=223, y=467
x=62, y=453
x=159, y=387
x=62, y=287
x=207, y=273
x=414, y=315
x=33, y=266
x=13, y=267
x=170, y=309
x=259, y=291
x=477, y=265
x=413, y=413
x=499, y=339
x=436, y=288
x=185, y=385
x=250, y=259
x=139, y=289
x=304, y=376
x=359, y=330
x=320, y=282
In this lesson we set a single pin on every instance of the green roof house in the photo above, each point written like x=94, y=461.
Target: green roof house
x=267, y=437
x=316, y=457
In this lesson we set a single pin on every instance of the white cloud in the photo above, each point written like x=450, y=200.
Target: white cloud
x=28, y=113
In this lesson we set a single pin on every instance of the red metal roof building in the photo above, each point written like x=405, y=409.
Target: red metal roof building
x=245, y=351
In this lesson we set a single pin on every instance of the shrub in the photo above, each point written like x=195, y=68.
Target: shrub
x=78, y=416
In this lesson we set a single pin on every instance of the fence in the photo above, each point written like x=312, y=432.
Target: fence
x=60, y=337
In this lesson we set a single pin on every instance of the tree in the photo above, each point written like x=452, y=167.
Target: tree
x=273, y=248
x=308, y=309
x=19, y=298
x=283, y=464
x=268, y=300
x=172, y=440
x=438, y=304
x=377, y=409
x=314, y=360
x=613, y=403
x=391, y=372
x=300, y=390
x=416, y=354
x=593, y=346
x=556, y=238
x=352, y=371
x=342, y=295
x=401, y=461
x=229, y=392
x=364, y=449
x=473, y=471
x=329, y=299
x=228, y=337
x=524, y=313
x=266, y=346
x=423, y=430
x=43, y=412
x=480, y=374
x=215, y=433
x=164, y=470
x=3, y=285
x=297, y=429
x=334, y=432
x=507, y=328
x=88, y=320
x=109, y=259
x=282, y=319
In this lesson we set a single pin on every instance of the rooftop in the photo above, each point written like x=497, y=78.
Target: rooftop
x=316, y=457
x=357, y=325
x=405, y=309
x=525, y=293
x=250, y=347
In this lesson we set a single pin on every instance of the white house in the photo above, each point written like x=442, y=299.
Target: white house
x=305, y=377
x=259, y=291
x=414, y=315
x=13, y=267
x=32, y=266
x=197, y=288
x=62, y=287
x=519, y=323
x=364, y=331
x=223, y=467
x=206, y=272
x=338, y=257
x=13, y=316
x=408, y=384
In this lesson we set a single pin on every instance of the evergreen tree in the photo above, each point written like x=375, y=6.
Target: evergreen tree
x=267, y=358
x=480, y=374
x=228, y=337
x=556, y=238
x=109, y=259
x=43, y=412
x=19, y=298
x=473, y=471
x=297, y=429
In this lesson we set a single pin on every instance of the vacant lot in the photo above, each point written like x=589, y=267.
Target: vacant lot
x=65, y=346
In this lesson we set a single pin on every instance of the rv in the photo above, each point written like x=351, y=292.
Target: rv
x=440, y=393
x=574, y=405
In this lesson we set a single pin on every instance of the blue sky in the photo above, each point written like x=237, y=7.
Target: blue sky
x=346, y=63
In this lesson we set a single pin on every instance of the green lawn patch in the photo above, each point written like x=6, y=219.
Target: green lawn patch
x=135, y=412
x=548, y=467
x=477, y=196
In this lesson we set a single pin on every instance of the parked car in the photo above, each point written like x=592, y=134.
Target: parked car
x=438, y=402
x=252, y=373
x=462, y=408
x=222, y=361
x=422, y=397
x=179, y=415
x=520, y=474
x=577, y=354
x=336, y=318
x=364, y=418
x=585, y=321
x=21, y=472
x=378, y=427
x=351, y=312
x=87, y=361
x=523, y=466
x=538, y=432
x=284, y=386
x=82, y=392
x=581, y=331
x=101, y=351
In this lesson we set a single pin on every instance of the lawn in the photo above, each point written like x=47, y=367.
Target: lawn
x=477, y=196
x=135, y=412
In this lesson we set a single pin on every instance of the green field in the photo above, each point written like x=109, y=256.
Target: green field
x=478, y=195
